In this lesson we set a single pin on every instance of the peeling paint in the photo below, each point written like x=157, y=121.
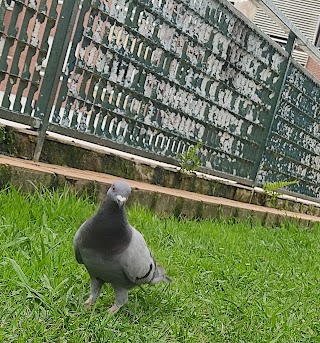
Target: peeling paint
x=161, y=75
x=118, y=10
x=35, y=33
x=296, y=136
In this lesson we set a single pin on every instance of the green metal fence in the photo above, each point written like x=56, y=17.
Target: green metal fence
x=154, y=77
x=24, y=44
x=293, y=147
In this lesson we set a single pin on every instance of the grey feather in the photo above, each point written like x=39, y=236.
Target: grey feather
x=113, y=251
x=77, y=253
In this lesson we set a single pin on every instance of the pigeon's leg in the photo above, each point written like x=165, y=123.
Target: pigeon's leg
x=95, y=288
x=121, y=298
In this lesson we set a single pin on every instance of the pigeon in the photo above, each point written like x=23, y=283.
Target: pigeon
x=113, y=251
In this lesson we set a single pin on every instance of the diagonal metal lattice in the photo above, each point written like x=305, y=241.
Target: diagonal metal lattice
x=24, y=45
x=160, y=76
x=155, y=77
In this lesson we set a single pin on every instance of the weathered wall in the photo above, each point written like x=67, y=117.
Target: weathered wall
x=26, y=31
x=313, y=67
x=156, y=77
x=293, y=148
x=160, y=76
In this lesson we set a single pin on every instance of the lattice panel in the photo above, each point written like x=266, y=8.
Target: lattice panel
x=293, y=151
x=159, y=76
x=25, y=31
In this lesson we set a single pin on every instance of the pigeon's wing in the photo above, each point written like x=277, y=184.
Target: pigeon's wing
x=77, y=253
x=76, y=245
x=136, y=261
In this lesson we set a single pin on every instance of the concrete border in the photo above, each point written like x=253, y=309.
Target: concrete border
x=164, y=201
x=61, y=150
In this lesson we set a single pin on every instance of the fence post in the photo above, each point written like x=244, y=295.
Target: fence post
x=52, y=74
x=289, y=48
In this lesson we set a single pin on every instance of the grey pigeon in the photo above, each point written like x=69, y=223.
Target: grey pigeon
x=113, y=251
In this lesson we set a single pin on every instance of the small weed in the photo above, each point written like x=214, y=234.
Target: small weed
x=271, y=188
x=189, y=160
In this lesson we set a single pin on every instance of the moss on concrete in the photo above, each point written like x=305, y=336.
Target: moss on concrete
x=258, y=199
x=223, y=190
x=199, y=210
x=243, y=195
x=68, y=155
x=7, y=140
x=22, y=144
x=210, y=211
x=118, y=166
x=282, y=204
x=177, y=210
x=25, y=144
x=158, y=176
x=28, y=180
x=5, y=175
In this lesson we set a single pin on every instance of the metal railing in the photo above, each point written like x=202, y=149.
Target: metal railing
x=155, y=77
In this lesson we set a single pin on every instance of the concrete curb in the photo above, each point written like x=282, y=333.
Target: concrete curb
x=66, y=151
x=162, y=200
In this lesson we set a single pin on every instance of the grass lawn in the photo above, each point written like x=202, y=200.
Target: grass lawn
x=233, y=282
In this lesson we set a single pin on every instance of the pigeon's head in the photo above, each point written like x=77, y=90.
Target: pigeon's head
x=119, y=192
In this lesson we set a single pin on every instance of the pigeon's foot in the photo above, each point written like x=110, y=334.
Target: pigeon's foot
x=113, y=309
x=88, y=303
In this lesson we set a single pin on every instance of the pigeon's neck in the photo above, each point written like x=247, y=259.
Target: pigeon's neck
x=110, y=233
x=113, y=216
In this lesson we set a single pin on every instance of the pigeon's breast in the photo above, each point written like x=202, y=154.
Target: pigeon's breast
x=106, y=237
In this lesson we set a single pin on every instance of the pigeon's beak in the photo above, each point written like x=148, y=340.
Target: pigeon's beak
x=121, y=199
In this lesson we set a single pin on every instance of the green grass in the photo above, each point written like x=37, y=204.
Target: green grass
x=232, y=282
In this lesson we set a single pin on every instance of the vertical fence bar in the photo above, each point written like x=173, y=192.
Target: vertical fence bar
x=53, y=72
x=289, y=48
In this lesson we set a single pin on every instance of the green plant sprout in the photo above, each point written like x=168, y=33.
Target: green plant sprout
x=270, y=188
x=189, y=160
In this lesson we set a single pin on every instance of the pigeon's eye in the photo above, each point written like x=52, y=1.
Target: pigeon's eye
x=113, y=188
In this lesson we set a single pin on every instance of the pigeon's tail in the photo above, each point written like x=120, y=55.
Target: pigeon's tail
x=159, y=275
